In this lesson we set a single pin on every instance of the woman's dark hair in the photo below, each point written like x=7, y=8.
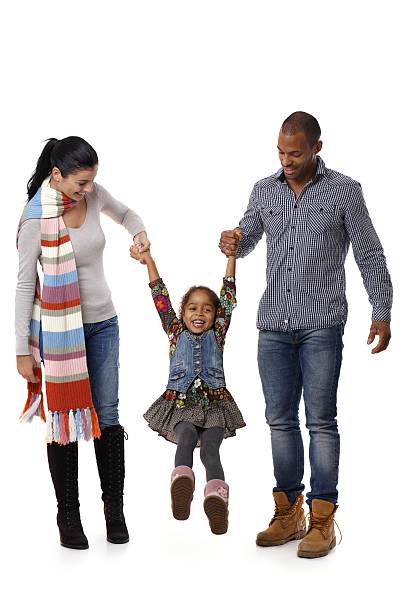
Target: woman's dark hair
x=211, y=294
x=69, y=155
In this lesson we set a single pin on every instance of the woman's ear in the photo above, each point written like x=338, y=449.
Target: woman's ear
x=56, y=174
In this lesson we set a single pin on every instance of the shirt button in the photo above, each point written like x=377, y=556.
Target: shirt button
x=293, y=207
x=288, y=290
x=286, y=321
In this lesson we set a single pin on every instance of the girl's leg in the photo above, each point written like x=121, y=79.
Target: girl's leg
x=182, y=477
x=210, y=442
x=187, y=438
x=216, y=490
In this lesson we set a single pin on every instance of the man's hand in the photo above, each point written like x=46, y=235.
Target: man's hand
x=141, y=242
x=25, y=367
x=381, y=329
x=230, y=240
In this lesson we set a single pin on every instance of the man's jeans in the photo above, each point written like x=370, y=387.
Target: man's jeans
x=288, y=362
x=102, y=358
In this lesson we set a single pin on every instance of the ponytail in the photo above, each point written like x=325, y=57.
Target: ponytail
x=69, y=155
x=42, y=170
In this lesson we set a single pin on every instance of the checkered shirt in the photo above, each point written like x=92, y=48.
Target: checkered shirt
x=307, y=241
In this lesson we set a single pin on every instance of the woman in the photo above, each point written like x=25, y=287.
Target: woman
x=72, y=328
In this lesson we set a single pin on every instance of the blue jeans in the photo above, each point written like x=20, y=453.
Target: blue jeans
x=102, y=357
x=308, y=359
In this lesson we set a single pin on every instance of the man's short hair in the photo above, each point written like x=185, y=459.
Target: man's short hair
x=302, y=122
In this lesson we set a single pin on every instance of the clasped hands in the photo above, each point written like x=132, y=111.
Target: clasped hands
x=140, y=247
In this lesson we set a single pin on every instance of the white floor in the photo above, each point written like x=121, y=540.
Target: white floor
x=180, y=565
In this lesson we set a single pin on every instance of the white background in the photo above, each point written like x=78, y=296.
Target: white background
x=183, y=101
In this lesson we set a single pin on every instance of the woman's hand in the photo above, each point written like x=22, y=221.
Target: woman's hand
x=141, y=242
x=136, y=253
x=25, y=367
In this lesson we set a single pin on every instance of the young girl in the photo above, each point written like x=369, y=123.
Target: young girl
x=196, y=409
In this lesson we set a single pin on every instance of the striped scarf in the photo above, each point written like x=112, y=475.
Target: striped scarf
x=71, y=414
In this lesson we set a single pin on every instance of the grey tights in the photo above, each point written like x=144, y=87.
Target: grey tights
x=188, y=435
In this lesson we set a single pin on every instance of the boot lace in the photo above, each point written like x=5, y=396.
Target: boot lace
x=70, y=506
x=322, y=524
x=116, y=475
x=286, y=514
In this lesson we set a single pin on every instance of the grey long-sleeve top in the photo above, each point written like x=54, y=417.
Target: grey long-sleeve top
x=88, y=243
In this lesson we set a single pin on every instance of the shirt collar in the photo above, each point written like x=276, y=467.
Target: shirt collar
x=320, y=170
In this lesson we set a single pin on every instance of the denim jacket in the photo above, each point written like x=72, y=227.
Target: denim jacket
x=195, y=356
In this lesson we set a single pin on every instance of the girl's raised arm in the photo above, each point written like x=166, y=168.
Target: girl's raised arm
x=147, y=259
x=171, y=324
x=227, y=302
x=230, y=271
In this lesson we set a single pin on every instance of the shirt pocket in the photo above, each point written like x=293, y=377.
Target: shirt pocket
x=178, y=370
x=272, y=217
x=216, y=372
x=320, y=217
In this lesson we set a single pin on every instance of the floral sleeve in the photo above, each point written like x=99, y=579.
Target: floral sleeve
x=227, y=303
x=171, y=324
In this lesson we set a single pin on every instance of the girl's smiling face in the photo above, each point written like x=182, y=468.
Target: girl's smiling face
x=199, y=312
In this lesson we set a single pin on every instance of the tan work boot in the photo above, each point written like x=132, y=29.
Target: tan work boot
x=320, y=537
x=288, y=522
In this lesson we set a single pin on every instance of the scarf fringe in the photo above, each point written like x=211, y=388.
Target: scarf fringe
x=72, y=426
x=34, y=406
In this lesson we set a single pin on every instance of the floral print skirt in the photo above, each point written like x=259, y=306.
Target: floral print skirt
x=201, y=406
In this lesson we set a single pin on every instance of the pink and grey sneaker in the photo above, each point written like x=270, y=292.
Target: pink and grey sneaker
x=216, y=505
x=182, y=489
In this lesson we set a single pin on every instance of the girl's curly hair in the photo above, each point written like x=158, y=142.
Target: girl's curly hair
x=211, y=294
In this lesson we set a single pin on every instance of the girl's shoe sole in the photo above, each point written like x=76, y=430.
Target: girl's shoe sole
x=217, y=512
x=182, y=489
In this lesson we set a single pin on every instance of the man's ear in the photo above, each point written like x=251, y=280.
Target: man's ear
x=318, y=146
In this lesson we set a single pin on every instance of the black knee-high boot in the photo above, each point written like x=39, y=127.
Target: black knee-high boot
x=110, y=457
x=63, y=463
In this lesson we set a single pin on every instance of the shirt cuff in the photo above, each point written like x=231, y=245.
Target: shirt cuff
x=133, y=223
x=245, y=246
x=22, y=345
x=381, y=313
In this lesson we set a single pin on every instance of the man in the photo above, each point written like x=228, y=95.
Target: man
x=309, y=214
